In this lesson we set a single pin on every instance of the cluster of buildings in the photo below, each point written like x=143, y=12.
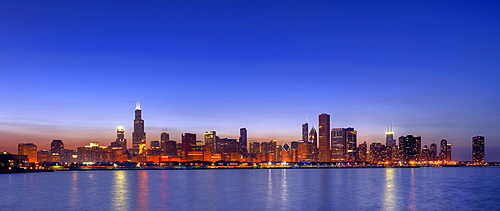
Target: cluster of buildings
x=324, y=145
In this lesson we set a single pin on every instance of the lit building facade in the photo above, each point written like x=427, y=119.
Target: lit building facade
x=28, y=149
x=138, y=136
x=351, y=143
x=324, y=138
x=478, y=149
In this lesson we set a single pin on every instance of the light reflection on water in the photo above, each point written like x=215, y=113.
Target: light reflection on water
x=259, y=189
x=390, y=192
x=120, y=190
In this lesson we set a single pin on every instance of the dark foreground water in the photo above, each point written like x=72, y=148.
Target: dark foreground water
x=458, y=188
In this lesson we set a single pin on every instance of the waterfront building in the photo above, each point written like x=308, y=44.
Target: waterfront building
x=44, y=156
x=362, y=152
x=303, y=151
x=477, y=149
x=210, y=139
x=188, y=143
x=351, y=144
x=433, y=152
x=313, y=145
x=164, y=139
x=443, y=154
x=410, y=147
x=243, y=141
x=94, y=153
x=324, y=138
x=56, y=149
x=138, y=136
x=338, y=144
x=171, y=149
x=120, y=142
x=377, y=152
x=294, y=147
x=255, y=150
x=28, y=149
x=426, y=154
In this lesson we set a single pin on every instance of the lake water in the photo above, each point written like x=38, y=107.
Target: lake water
x=453, y=188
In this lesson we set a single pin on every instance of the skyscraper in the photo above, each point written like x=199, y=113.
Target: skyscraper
x=410, y=148
x=338, y=144
x=210, y=137
x=389, y=137
x=324, y=138
x=312, y=149
x=164, y=139
x=478, y=149
x=120, y=138
x=433, y=152
x=138, y=136
x=28, y=149
x=305, y=131
x=243, y=141
x=351, y=151
x=443, y=154
x=188, y=143
x=56, y=146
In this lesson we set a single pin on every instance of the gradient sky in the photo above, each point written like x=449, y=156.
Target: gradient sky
x=72, y=70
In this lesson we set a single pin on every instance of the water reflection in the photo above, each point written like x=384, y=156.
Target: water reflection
x=120, y=190
x=164, y=188
x=413, y=194
x=284, y=189
x=143, y=190
x=270, y=198
x=389, y=191
x=74, y=199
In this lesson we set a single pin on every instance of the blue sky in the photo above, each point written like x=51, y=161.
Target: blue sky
x=73, y=70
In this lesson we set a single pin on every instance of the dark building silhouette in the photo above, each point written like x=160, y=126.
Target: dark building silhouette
x=164, y=139
x=362, y=149
x=478, y=149
x=56, y=149
x=305, y=131
x=443, y=154
x=410, y=147
x=312, y=145
x=243, y=141
x=433, y=152
x=324, y=138
x=188, y=142
x=138, y=136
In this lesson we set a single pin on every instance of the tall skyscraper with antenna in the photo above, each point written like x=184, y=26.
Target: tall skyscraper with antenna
x=305, y=131
x=389, y=137
x=138, y=136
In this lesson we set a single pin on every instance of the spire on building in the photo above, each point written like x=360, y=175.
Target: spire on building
x=138, y=105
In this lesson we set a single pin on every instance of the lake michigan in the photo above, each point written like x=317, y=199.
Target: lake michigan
x=427, y=188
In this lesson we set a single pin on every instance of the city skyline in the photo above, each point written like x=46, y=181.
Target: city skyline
x=72, y=71
x=345, y=138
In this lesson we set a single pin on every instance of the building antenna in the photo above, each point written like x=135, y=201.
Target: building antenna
x=138, y=105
